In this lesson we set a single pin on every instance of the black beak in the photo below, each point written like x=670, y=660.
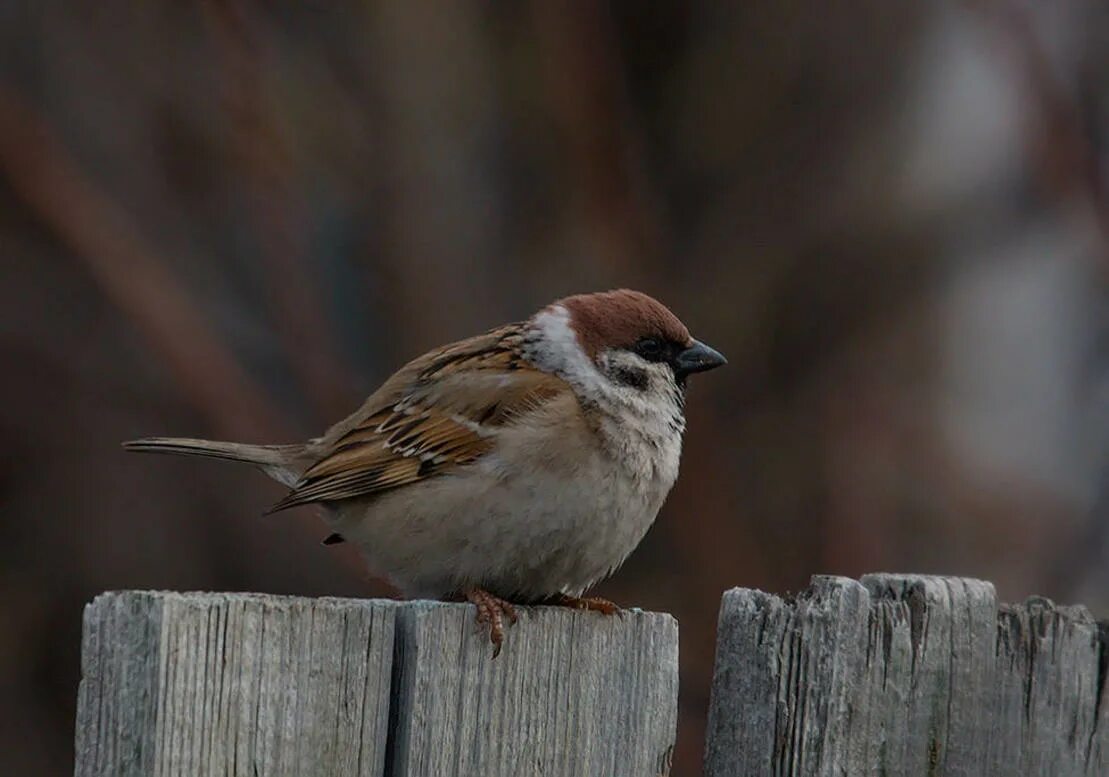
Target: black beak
x=697, y=358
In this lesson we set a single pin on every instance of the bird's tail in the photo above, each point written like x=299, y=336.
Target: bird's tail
x=278, y=461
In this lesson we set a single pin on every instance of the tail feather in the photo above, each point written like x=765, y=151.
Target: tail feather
x=278, y=461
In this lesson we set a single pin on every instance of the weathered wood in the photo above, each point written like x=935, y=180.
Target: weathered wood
x=906, y=675
x=246, y=684
x=572, y=694
x=233, y=684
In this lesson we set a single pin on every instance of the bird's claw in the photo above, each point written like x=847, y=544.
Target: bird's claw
x=492, y=611
x=594, y=603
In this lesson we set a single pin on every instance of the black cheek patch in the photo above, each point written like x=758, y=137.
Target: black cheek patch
x=630, y=376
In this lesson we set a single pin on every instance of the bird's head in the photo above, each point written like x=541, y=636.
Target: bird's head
x=619, y=342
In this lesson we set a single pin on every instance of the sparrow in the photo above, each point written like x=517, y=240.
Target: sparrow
x=520, y=466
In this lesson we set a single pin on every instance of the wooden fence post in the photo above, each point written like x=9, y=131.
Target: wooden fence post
x=906, y=675
x=256, y=685
x=242, y=684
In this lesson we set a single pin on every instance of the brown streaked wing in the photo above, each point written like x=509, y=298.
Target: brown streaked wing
x=447, y=415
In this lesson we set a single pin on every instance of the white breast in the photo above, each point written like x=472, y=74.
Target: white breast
x=555, y=510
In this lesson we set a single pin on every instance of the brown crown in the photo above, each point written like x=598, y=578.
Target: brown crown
x=617, y=319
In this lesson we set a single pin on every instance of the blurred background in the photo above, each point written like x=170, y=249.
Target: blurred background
x=234, y=219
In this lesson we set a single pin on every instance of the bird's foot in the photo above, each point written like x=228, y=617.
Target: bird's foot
x=594, y=603
x=492, y=610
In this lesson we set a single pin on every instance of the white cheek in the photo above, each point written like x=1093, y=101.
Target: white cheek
x=655, y=399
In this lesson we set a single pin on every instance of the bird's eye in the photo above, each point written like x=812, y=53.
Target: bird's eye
x=650, y=349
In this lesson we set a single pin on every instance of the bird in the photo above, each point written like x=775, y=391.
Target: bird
x=521, y=466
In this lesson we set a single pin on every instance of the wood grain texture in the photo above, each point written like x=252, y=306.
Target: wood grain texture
x=247, y=684
x=233, y=684
x=906, y=675
x=573, y=693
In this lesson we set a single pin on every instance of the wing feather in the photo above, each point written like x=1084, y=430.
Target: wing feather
x=440, y=412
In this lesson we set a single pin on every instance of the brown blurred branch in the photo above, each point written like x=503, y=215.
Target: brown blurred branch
x=136, y=279
x=130, y=272
x=1062, y=154
x=277, y=211
x=584, y=78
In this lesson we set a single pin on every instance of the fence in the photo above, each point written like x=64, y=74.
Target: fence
x=907, y=675
x=893, y=675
